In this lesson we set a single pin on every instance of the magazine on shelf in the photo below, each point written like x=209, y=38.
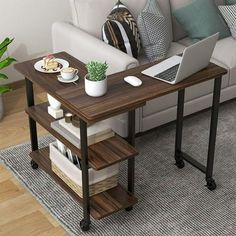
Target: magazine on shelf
x=103, y=132
x=96, y=129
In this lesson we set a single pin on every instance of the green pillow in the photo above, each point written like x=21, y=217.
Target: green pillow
x=230, y=2
x=201, y=19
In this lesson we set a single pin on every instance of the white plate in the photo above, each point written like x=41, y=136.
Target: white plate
x=59, y=77
x=39, y=66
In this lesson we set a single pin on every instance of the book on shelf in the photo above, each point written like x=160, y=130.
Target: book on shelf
x=95, y=133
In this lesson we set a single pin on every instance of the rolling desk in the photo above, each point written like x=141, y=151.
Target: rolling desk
x=121, y=97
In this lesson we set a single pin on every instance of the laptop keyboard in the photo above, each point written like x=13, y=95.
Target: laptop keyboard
x=169, y=74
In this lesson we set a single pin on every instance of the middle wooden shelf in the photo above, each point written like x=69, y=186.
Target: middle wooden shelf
x=100, y=155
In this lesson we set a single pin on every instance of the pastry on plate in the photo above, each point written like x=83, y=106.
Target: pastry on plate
x=50, y=63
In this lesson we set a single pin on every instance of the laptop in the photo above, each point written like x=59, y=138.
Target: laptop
x=195, y=58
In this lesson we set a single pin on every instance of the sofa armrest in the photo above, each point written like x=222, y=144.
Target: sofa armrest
x=85, y=47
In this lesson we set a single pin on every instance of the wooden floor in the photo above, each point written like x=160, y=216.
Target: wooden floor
x=20, y=213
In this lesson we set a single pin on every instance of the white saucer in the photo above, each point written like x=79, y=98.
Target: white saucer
x=59, y=77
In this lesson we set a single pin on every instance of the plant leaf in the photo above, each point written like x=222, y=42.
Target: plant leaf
x=6, y=62
x=4, y=89
x=97, y=70
x=2, y=76
x=3, y=46
x=2, y=51
x=5, y=43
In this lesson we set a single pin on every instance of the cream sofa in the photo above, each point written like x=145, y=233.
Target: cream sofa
x=82, y=39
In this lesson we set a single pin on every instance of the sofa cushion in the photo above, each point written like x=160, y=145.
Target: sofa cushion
x=230, y=2
x=201, y=19
x=175, y=48
x=178, y=31
x=121, y=31
x=186, y=41
x=225, y=53
x=154, y=32
x=90, y=15
x=229, y=14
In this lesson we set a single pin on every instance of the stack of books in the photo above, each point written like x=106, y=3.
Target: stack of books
x=95, y=133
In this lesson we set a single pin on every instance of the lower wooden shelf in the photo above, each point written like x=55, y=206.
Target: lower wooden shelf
x=102, y=204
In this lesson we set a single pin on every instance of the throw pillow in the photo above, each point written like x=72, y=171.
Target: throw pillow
x=229, y=14
x=121, y=31
x=201, y=19
x=230, y=2
x=154, y=32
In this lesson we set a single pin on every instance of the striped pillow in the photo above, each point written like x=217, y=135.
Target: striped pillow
x=121, y=31
x=229, y=14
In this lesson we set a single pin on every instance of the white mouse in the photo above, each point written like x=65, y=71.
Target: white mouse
x=133, y=80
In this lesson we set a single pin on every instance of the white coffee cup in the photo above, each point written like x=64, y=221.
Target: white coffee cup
x=69, y=73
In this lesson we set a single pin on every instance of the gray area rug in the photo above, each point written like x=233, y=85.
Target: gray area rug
x=171, y=201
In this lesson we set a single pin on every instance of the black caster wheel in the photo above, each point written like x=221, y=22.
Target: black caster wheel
x=180, y=164
x=211, y=184
x=84, y=225
x=34, y=165
x=129, y=208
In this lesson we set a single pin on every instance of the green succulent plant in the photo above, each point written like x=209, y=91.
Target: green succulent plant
x=97, y=70
x=4, y=63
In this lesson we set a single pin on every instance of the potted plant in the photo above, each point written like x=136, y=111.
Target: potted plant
x=96, y=79
x=4, y=63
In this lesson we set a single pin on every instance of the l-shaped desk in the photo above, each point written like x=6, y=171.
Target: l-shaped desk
x=120, y=98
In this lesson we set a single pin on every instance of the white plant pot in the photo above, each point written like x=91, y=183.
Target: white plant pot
x=56, y=105
x=95, y=88
x=1, y=106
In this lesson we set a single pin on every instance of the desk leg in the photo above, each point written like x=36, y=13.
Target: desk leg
x=179, y=129
x=213, y=131
x=32, y=123
x=85, y=223
x=131, y=161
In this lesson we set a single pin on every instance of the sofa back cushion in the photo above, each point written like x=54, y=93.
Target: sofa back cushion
x=178, y=31
x=90, y=15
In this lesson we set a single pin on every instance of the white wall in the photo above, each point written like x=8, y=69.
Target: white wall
x=29, y=22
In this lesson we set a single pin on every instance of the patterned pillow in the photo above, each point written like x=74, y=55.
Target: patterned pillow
x=154, y=32
x=121, y=31
x=229, y=14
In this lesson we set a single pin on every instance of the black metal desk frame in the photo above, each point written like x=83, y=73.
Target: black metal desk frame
x=179, y=155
